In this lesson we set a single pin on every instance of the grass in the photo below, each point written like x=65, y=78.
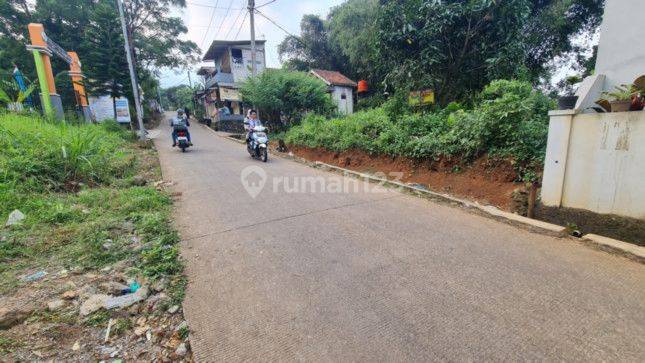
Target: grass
x=8, y=344
x=76, y=185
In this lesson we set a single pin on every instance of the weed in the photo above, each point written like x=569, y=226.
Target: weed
x=8, y=345
x=183, y=332
x=98, y=318
x=121, y=326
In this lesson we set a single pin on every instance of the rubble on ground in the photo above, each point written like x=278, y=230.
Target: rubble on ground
x=76, y=315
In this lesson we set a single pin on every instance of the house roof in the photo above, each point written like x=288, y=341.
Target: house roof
x=333, y=78
x=218, y=47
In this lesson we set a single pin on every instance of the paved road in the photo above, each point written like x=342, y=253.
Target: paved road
x=382, y=276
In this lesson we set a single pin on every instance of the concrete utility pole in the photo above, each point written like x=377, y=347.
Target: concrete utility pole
x=133, y=74
x=252, y=17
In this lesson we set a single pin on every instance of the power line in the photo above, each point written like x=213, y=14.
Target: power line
x=211, y=6
x=209, y=25
x=233, y=25
x=224, y=18
x=266, y=3
x=241, y=25
x=274, y=23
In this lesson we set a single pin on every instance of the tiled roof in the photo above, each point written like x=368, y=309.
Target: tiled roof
x=333, y=78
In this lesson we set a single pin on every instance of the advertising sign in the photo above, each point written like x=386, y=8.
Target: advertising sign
x=102, y=109
x=421, y=98
x=122, y=111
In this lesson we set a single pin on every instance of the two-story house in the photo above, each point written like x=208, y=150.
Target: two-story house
x=228, y=65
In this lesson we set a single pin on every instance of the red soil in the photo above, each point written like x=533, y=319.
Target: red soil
x=486, y=180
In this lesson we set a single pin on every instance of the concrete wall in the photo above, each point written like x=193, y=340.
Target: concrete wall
x=621, y=50
x=596, y=162
x=345, y=106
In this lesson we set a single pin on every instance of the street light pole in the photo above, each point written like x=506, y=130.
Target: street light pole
x=133, y=74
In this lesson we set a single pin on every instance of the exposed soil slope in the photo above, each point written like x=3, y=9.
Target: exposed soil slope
x=486, y=181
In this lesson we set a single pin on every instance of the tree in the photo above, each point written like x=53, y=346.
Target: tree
x=292, y=94
x=104, y=56
x=453, y=47
x=353, y=31
x=177, y=97
x=157, y=36
x=551, y=28
x=311, y=49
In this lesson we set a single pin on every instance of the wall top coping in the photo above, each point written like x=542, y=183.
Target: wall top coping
x=562, y=112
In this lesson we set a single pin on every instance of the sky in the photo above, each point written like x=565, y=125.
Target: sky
x=225, y=19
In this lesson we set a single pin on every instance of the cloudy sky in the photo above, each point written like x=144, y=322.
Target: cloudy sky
x=222, y=19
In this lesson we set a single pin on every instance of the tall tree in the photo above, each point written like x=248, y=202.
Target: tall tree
x=312, y=48
x=103, y=53
x=451, y=46
x=353, y=31
x=157, y=36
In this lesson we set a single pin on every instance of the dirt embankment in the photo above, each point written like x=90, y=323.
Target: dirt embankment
x=486, y=180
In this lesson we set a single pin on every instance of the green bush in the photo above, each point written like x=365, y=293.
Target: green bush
x=46, y=155
x=509, y=120
x=291, y=93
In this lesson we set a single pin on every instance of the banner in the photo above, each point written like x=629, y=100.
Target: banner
x=421, y=98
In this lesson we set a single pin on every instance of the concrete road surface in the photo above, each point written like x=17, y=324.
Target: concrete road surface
x=377, y=275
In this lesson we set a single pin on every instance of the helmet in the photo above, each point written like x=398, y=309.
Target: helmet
x=180, y=111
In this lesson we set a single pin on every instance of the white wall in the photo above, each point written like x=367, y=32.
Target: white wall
x=621, y=50
x=242, y=71
x=596, y=162
x=345, y=106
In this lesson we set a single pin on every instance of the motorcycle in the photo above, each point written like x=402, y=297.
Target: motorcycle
x=182, y=138
x=257, y=146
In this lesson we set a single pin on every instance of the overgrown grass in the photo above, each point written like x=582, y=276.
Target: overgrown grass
x=72, y=183
x=510, y=121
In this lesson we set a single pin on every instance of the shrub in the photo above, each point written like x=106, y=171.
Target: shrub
x=509, y=120
x=292, y=93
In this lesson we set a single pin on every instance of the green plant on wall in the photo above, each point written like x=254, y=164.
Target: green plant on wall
x=624, y=92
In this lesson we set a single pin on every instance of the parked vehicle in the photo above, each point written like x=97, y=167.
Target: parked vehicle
x=258, y=142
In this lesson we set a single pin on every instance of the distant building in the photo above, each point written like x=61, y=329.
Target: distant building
x=340, y=88
x=228, y=65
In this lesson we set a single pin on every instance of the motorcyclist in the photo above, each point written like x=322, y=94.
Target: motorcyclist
x=180, y=122
x=251, y=122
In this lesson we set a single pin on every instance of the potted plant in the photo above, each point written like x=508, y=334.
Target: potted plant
x=621, y=98
x=567, y=100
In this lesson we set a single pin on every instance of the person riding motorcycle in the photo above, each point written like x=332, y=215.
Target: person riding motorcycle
x=250, y=122
x=180, y=122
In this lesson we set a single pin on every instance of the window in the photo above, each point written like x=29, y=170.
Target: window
x=343, y=96
x=236, y=54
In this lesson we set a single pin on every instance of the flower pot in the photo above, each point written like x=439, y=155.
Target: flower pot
x=567, y=102
x=620, y=106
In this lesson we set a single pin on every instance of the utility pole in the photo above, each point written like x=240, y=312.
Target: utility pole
x=133, y=74
x=252, y=17
x=190, y=83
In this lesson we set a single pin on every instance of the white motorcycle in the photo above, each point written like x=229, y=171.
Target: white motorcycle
x=258, y=144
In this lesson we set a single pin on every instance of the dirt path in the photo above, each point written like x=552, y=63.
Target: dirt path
x=293, y=275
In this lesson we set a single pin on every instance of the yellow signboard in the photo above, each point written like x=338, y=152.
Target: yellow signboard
x=421, y=98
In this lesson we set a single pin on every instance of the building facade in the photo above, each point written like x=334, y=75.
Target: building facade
x=227, y=64
x=340, y=88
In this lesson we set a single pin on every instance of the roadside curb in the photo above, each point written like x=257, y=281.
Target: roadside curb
x=628, y=250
